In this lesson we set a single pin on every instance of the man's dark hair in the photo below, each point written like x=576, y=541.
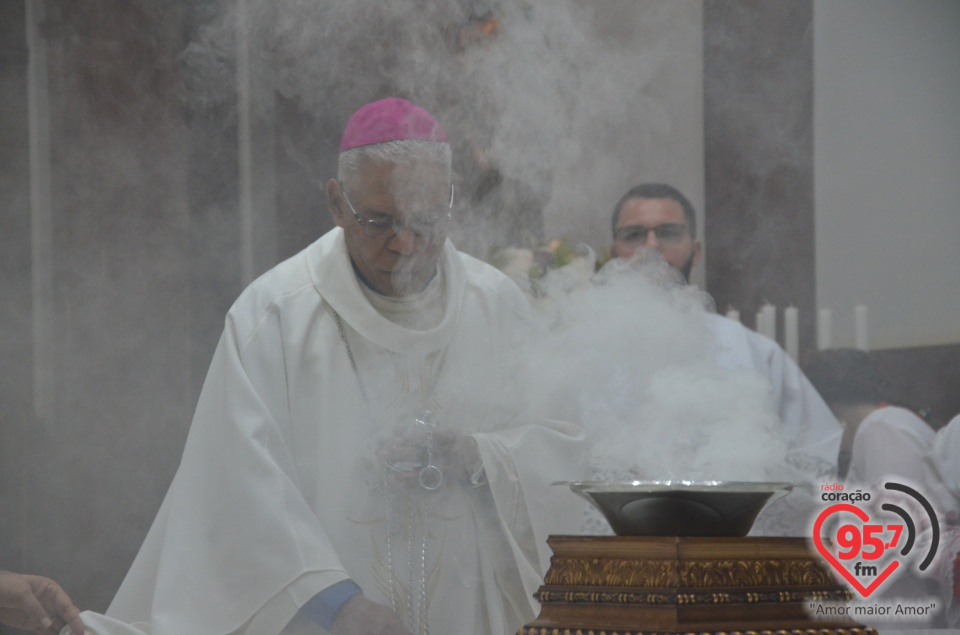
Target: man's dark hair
x=657, y=190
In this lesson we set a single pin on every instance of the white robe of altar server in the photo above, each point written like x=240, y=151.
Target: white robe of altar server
x=942, y=487
x=813, y=433
x=277, y=496
x=891, y=442
x=942, y=471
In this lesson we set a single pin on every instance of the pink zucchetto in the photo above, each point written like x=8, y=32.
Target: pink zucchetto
x=390, y=119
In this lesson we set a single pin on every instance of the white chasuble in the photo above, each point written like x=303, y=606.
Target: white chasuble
x=282, y=489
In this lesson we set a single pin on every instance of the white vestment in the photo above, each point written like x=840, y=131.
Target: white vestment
x=942, y=471
x=942, y=486
x=890, y=445
x=890, y=442
x=813, y=433
x=279, y=494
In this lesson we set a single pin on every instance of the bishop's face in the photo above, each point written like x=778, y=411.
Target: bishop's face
x=656, y=223
x=394, y=221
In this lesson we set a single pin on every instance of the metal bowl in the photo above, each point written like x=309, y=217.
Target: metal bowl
x=680, y=508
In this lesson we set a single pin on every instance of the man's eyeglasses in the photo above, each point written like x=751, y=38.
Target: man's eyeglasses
x=425, y=225
x=668, y=233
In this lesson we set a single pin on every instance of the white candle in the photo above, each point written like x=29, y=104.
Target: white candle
x=733, y=314
x=791, y=332
x=767, y=321
x=824, y=329
x=860, y=324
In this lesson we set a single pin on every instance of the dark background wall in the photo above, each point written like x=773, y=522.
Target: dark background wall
x=143, y=261
x=16, y=377
x=758, y=111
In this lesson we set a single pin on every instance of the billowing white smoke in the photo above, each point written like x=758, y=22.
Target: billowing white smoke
x=696, y=421
x=635, y=346
x=521, y=100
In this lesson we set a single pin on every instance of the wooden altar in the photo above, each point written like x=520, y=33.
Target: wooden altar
x=625, y=585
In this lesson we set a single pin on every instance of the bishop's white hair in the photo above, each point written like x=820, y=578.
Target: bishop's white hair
x=351, y=162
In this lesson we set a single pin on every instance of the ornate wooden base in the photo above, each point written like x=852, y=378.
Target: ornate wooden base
x=792, y=631
x=624, y=585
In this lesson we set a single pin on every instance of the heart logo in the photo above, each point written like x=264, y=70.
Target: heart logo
x=863, y=516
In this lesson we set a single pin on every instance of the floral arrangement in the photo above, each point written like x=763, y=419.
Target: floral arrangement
x=531, y=265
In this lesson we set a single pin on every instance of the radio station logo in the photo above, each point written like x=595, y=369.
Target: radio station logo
x=869, y=545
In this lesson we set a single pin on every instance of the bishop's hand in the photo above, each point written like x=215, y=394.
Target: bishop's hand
x=360, y=616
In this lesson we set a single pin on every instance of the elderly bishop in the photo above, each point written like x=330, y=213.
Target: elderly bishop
x=362, y=459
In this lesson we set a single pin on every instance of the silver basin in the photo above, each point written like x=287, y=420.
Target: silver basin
x=680, y=508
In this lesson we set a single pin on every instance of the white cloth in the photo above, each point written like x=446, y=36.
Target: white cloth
x=277, y=496
x=942, y=470
x=890, y=445
x=97, y=624
x=942, y=485
x=890, y=442
x=813, y=433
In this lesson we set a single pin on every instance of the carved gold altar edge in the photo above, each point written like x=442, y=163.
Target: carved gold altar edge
x=624, y=585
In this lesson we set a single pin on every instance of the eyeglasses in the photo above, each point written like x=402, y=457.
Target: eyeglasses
x=426, y=225
x=668, y=233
